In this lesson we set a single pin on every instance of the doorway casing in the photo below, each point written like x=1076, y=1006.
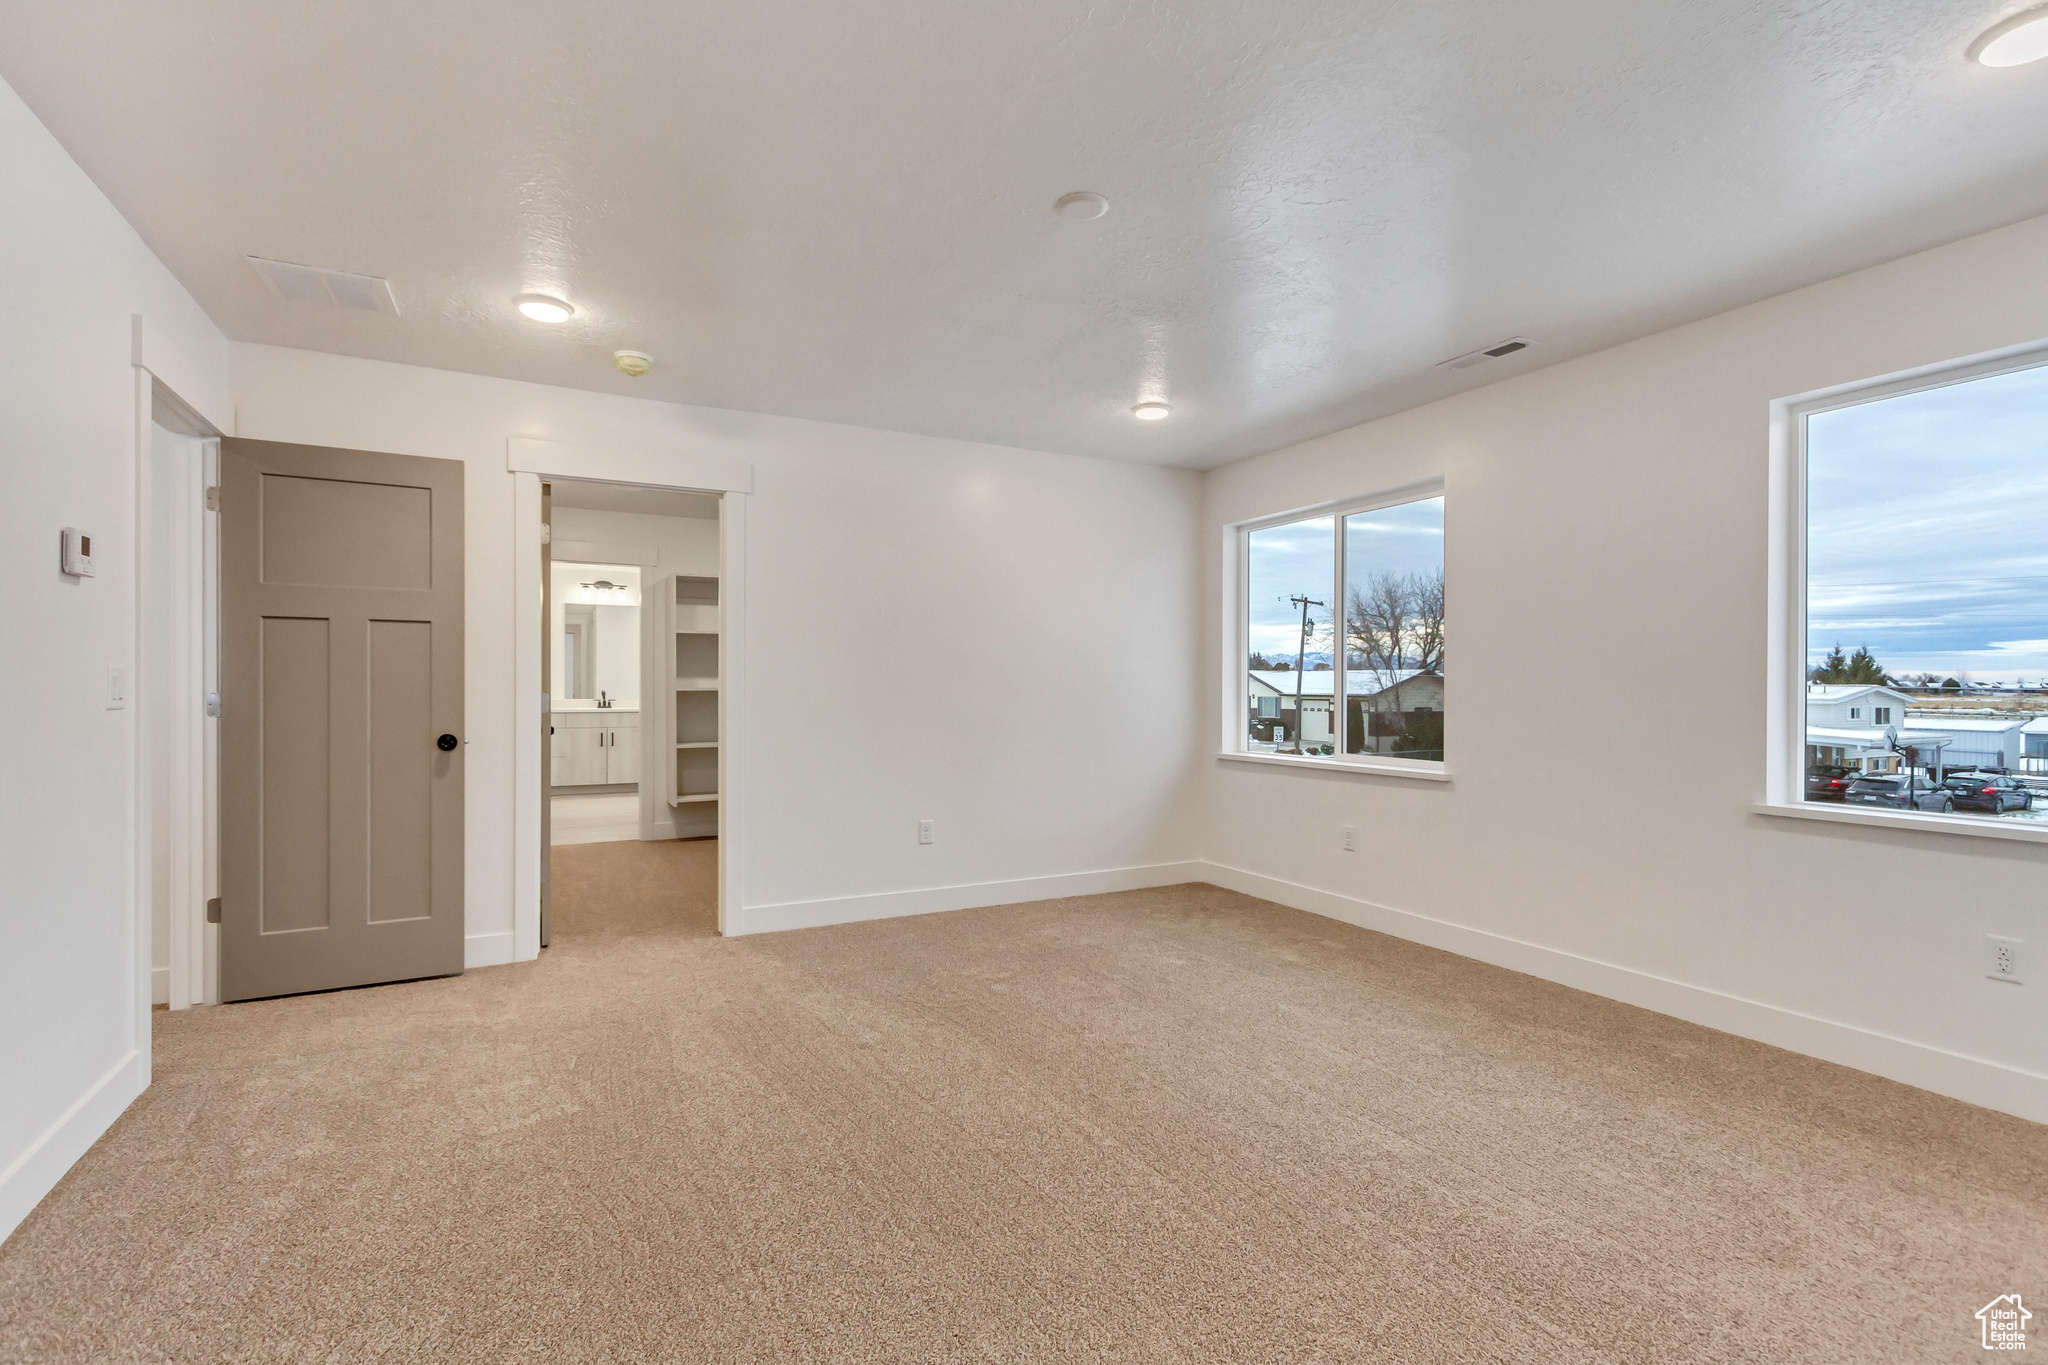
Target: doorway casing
x=531, y=461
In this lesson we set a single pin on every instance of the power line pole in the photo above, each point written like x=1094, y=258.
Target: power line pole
x=1301, y=664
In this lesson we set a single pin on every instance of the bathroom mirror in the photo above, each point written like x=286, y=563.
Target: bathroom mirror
x=597, y=633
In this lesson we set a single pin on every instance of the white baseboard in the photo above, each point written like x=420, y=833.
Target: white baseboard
x=1970, y=1079
x=487, y=950
x=159, y=985
x=36, y=1171
x=762, y=919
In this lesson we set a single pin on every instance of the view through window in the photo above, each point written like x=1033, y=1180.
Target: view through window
x=1346, y=652
x=1927, y=620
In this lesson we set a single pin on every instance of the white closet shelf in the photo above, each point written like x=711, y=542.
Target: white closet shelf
x=698, y=744
x=696, y=684
x=694, y=796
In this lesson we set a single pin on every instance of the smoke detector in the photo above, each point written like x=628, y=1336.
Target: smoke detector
x=1499, y=349
x=633, y=364
x=309, y=284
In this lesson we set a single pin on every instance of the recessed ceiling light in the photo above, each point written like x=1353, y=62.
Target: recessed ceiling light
x=542, y=307
x=1080, y=204
x=1152, y=410
x=2014, y=42
x=633, y=363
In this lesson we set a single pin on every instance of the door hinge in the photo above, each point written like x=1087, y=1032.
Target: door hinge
x=547, y=534
x=213, y=498
x=213, y=911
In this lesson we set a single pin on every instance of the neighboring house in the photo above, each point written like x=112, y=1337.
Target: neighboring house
x=1854, y=706
x=1975, y=741
x=2034, y=746
x=1384, y=706
x=1846, y=725
x=1272, y=696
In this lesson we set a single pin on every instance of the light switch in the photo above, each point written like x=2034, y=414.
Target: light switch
x=117, y=686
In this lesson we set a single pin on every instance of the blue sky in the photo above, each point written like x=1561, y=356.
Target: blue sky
x=1927, y=529
x=1300, y=558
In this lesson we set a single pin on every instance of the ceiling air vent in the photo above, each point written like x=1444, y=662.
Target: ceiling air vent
x=304, y=284
x=1493, y=352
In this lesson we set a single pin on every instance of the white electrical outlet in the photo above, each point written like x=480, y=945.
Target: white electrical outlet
x=1351, y=838
x=2002, y=960
x=926, y=831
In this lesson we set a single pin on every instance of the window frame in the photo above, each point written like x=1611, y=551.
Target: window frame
x=1786, y=660
x=1235, y=741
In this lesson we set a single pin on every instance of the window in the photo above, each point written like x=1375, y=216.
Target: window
x=1919, y=516
x=1343, y=629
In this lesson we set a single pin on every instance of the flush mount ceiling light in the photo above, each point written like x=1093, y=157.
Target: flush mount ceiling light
x=632, y=363
x=2014, y=42
x=542, y=307
x=1152, y=410
x=1080, y=204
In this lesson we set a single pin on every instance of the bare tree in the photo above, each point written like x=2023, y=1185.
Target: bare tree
x=1428, y=593
x=1394, y=624
x=1378, y=618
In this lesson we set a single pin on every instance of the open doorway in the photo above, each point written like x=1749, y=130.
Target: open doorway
x=630, y=653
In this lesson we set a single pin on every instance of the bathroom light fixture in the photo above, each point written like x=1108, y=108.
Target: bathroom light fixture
x=1151, y=410
x=542, y=307
x=2015, y=41
x=1080, y=204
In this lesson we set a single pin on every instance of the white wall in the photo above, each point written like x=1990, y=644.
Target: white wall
x=1606, y=555
x=74, y=983
x=927, y=625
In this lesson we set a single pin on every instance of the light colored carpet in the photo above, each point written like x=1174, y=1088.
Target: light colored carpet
x=1173, y=1125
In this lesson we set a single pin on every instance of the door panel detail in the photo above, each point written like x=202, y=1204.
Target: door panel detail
x=341, y=663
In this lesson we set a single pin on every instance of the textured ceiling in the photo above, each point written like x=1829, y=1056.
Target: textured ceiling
x=843, y=211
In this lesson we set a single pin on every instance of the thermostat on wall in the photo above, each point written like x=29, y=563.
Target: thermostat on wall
x=77, y=553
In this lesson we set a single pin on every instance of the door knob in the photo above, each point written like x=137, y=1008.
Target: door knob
x=446, y=743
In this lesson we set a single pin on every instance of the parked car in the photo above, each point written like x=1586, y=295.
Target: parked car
x=1828, y=781
x=1900, y=793
x=1993, y=792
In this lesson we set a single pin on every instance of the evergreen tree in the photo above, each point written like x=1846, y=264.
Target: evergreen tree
x=1833, y=669
x=1863, y=666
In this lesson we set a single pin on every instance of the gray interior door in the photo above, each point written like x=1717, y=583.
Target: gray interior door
x=341, y=718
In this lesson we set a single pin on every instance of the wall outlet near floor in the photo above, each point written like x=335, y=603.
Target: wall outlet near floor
x=1351, y=838
x=2002, y=961
x=926, y=831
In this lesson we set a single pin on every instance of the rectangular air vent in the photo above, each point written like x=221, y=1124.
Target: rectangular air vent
x=305, y=284
x=1493, y=352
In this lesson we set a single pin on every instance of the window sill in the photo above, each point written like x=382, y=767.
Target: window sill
x=1974, y=826
x=1414, y=771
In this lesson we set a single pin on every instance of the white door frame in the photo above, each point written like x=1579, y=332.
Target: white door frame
x=173, y=684
x=698, y=471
